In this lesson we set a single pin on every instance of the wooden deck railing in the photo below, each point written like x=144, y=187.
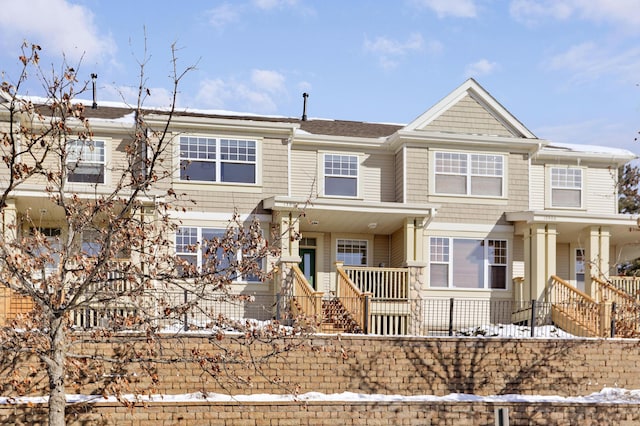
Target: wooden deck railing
x=607, y=292
x=382, y=283
x=627, y=307
x=308, y=302
x=630, y=285
x=576, y=311
x=356, y=302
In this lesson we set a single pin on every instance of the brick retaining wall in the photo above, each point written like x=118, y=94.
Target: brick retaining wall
x=414, y=366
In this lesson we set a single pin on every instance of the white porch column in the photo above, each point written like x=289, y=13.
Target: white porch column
x=414, y=242
x=10, y=221
x=597, y=256
x=541, y=257
x=288, y=232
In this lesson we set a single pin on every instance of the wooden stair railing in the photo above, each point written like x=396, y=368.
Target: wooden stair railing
x=575, y=311
x=306, y=302
x=627, y=310
x=355, y=302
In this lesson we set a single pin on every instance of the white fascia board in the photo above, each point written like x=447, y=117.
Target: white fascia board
x=470, y=227
x=552, y=216
x=619, y=159
x=422, y=138
x=280, y=203
x=224, y=124
x=342, y=141
x=215, y=216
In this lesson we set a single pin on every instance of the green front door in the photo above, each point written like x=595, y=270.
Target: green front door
x=308, y=265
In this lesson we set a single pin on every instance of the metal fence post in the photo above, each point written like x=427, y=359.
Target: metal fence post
x=532, y=324
x=186, y=318
x=451, y=317
x=613, y=319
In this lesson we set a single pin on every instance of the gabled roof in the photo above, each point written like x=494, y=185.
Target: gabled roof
x=480, y=107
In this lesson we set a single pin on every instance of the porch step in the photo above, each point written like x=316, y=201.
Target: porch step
x=336, y=319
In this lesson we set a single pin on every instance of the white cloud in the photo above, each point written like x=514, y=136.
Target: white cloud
x=269, y=81
x=223, y=15
x=272, y=4
x=622, y=13
x=258, y=95
x=480, y=68
x=56, y=25
x=389, y=50
x=454, y=8
x=588, y=61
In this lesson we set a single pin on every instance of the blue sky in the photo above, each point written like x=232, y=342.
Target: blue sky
x=568, y=69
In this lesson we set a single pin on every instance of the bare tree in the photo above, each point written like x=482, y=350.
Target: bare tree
x=110, y=252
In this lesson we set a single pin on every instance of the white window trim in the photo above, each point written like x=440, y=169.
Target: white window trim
x=322, y=175
x=106, y=143
x=198, y=253
x=486, y=264
x=550, y=187
x=368, y=247
x=468, y=154
x=218, y=161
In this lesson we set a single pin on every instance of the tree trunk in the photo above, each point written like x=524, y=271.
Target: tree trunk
x=55, y=371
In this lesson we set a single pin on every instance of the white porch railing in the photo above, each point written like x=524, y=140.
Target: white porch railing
x=382, y=283
x=630, y=285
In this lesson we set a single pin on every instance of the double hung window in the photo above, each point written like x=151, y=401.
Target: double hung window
x=86, y=161
x=468, y=263
x=218, y=159
x=459, y=173
x=341, y=175
x=566, y=187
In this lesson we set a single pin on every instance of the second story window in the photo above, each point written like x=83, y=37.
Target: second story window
x=566, y=187
x=217, y=160
x=86, y=161
x=341, y=175
x=469, y=174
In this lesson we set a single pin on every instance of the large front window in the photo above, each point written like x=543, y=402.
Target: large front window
x=566, y=187
x=85, y=161
x=217, y=159
x=352, y=252
x=201, y=248
x=468, y=263
x=459, y=173
x=341, y=175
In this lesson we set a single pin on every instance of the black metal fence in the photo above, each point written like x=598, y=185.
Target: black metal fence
x=420, y=317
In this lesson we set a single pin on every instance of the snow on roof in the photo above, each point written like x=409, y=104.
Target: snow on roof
x=589, y=149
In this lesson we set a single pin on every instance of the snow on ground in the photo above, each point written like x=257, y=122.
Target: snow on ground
x=606, y=395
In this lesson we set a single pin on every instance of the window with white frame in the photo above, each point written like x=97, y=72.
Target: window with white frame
x=198, y=247
x=341, y=175
x=86, y=161
x=566, y=187
x=209, y=159
x=468, y=263
x=458, y=173
x=352, y=252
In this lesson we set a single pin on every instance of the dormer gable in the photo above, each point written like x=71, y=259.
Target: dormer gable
x=470, y=110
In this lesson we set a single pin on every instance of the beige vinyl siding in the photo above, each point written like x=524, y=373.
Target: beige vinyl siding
x=537, y=194
x=399, y=165
x=470, y=117
x=517, y=257
x=599, y=191
x=304, y=173
x=417, y=175
x=380, y=250
x=397, y=249
x=563, y=261
x=377, y=177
